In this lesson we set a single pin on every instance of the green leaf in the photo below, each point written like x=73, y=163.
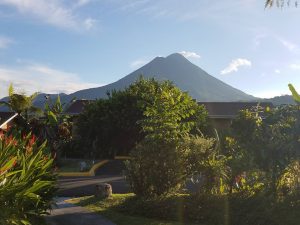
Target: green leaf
x=8, y=165
x=52, y=118
x=295, y=94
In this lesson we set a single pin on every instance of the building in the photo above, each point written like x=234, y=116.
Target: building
x=221, y=114
x=77, y=107
x=7, y=119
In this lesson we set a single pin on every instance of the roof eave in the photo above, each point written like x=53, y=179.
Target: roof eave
x=7, y=121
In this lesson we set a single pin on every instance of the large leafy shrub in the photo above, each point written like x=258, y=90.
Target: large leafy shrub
x=54, y=127
x=27, y=182
x=157, y=167
x=266, y=143
x=113, y=126
x=207, y=167
x=161, y=162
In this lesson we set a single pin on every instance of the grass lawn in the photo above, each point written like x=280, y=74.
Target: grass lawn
x=124, y=209
x=107, y=209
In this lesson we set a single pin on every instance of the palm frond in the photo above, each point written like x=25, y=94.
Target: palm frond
x=295, y=94
x=280, y=3
x=36, y=110
x=269, y=3
x=33, y=96
x=11, y=90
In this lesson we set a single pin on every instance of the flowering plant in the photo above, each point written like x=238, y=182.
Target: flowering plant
x=27, y=181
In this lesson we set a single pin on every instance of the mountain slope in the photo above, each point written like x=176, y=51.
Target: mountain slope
x=184, y=74
x=281, y=100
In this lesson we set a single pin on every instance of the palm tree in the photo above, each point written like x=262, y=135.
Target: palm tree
x=20, y=103
x=280, y=3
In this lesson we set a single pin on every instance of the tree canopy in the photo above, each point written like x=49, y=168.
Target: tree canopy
x=20, y=103
x=114, y=125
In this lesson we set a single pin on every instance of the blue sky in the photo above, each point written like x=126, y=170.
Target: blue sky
x=66, y=45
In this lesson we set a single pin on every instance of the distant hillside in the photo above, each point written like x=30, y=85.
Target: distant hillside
x=184, y=74
x=281, y=100
x=40, y=99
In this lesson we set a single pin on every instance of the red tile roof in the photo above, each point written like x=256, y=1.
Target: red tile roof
x=77, y=107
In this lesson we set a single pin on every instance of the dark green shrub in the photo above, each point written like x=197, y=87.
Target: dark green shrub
x=113, y=126
x=157, y=167
x=206, y=166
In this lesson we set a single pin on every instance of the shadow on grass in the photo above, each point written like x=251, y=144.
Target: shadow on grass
x=129, y=209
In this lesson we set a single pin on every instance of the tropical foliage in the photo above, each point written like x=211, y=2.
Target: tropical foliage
x=20, y=103
x=113, y=126
x=259, y=154
x=295, y=94
x=164, y=159
x=27, y=182
x=54, y=126
x=267, y=145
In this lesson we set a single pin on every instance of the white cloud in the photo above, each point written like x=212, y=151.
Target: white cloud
x=258, y=39
x=235, y=64
x=32, y=78
x=190, y=55
x=292, y=47
x=277, y=71
x=81, y=3
x=189, y=10
x=270, y=93
x=294, y=66
x=89, y=23
x=52, y=12
x=5, y=42
x=138, y=63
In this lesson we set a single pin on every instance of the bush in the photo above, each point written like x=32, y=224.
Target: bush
x=27, y=183
x=206, y=166
x=113, y=126
x=160, y=167
x=266, y=141
x=157, y=167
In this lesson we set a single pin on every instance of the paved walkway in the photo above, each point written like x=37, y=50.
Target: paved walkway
x=83, y=186
x=69, y=214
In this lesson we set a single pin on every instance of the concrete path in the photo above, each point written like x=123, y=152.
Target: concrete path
x=68, y=214
x=83, y=186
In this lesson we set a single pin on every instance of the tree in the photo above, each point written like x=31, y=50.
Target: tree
x=270, y=143
x=113, y=126
x=54, y=126
x=20, y=103
x=108, y=127
x=170, y=113
x=161, y=162
x=281, y=3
